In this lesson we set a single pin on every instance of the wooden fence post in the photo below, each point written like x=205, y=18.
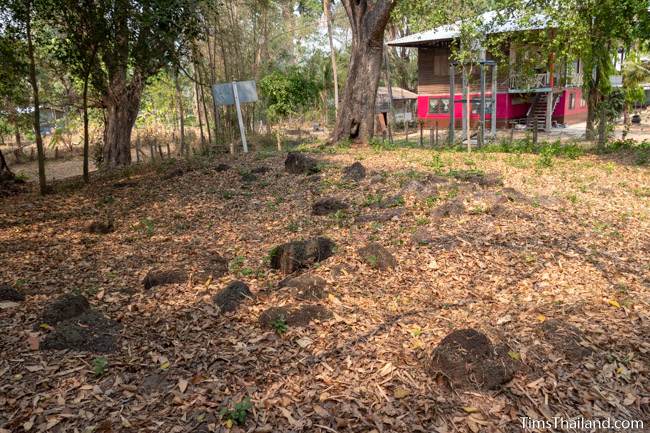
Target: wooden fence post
x=437, y=137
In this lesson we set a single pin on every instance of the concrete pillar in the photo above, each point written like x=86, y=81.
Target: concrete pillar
x=494, y=101
x=452, y=104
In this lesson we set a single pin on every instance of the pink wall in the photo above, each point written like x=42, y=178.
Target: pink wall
x=562, y=109
x=507, y=106
x=504, y=107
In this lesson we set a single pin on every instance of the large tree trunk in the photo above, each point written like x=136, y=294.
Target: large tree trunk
x=356, y=117
x=5, y=171
x=122, y=105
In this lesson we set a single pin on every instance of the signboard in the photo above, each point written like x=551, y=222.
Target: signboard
x=224, y=94
x=404, y=117
x=236, y=93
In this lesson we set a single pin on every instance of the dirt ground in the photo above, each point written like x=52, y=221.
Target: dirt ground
x=549, y=261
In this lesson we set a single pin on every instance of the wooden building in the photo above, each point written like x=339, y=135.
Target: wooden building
x=529, y=90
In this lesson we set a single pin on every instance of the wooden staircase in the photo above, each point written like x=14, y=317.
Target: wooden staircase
x=537, y=110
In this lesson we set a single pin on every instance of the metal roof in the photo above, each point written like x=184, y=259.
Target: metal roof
x=490, y=23
x=398, y=93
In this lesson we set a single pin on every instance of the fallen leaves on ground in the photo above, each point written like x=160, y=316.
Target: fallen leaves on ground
x=506, y=267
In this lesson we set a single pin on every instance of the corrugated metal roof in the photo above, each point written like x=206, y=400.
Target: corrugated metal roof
x=398, y=93
x=490, y=22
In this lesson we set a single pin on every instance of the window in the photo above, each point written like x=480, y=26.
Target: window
x=583, y=102
x=438, y=106
x=572, y=101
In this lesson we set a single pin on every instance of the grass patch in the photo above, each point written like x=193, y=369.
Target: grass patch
x=556, y=148
x=641, y=150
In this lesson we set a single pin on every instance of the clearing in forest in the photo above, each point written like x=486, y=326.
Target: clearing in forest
x=354, y=290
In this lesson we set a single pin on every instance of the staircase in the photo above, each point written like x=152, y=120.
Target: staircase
x=537, y=110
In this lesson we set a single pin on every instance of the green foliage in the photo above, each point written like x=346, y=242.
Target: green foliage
x=373, y=200
x=431, y=201
x=239, y=413
x=436, y=163
x=148, y=226
x=100, y=364
x=280, y=326
x=236, y=265
x=340, y=217
x=613, y=105
x=557, y=148
x=641, y=150
x=373, y=260
x=545, y=158
x=287, y=93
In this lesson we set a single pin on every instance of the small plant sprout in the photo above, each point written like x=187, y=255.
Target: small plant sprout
x=238, y=414
x=280, y=325
x=100, y=365
x=237, y=264
x=373, y=200
x=148, y=226
x=340, y=217
x=431, y=201
x=436, y=163
x=416, y=331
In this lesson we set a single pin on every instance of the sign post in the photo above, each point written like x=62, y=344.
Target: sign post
x=236, y=93
x=239, y=117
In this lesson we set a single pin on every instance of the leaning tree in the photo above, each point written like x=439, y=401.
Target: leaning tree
x=356, y=116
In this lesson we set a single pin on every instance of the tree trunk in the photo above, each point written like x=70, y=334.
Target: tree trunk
x=328, y=18
x=206, y=115
x=86, y=150
x=592, y=103
x=37, y=111
x=181, y=115
x=19, y=143
x=602, y=129
x=356, y=118
x=198, y=113
x=86, y=135
x=5, y=172
x=122, y=104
